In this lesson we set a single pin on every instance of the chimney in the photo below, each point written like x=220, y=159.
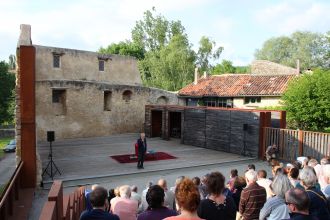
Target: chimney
x=25, y=36
x=205, y=74
x=298, y=67
x=196, y=76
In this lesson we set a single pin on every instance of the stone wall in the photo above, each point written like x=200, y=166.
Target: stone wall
x=84, y=65
x=7, y=133
x=266, y=67
x=83, y=112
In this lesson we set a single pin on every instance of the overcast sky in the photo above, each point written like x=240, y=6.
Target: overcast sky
x=240, y=26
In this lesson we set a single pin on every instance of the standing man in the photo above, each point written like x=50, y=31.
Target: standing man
x=142, y=149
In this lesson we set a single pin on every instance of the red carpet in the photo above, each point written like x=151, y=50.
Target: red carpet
x=129, y=158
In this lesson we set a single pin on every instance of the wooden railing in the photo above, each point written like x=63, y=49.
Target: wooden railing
x=294, y=143
x=11, y=194
x=66, y=207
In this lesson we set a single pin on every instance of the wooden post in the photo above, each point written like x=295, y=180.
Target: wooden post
x=56, y=195
x=283, y=119
x=27, y=109
x=300, y=142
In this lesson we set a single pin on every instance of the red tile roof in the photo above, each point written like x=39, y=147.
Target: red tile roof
x=231, y=85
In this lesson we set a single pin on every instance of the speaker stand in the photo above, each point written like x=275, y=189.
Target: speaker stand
x=51, y=164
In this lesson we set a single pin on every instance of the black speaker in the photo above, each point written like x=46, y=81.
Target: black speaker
x=50, y=136
x=245, y=127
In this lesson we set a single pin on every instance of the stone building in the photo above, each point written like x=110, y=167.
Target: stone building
x=87, y=94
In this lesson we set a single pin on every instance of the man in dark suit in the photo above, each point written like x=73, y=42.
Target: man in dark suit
x=142, y=149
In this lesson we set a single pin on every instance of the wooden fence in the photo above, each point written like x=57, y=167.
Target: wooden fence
x=66, y=207
x=11, y=194
x=294, y=143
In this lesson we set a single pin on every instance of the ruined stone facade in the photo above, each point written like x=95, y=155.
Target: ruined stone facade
x=87, y=94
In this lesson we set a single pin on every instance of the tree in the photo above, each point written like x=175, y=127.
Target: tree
x=171, y=67
x=12, y=62
x=126, y=48
x=312, y=49
x=169, y=59
x=307, y=101
x=7, y=85
x=226, y=66
x=155, y=31
x=207, y=51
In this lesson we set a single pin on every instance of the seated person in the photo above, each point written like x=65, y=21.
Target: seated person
x=99, y=201
x=124, y=207
x=156, y=209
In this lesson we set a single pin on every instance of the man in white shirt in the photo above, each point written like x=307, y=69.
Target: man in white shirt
x=169, y=199
x=264, y=182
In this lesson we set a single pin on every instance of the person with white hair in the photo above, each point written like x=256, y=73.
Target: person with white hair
x=318, y=207
x=169, y=199
x=275, y=207
x=124, y=207
x=326, y=171
x=134, y=194
x=253, y=197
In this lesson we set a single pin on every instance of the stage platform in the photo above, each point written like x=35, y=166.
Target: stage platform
x=85, y=159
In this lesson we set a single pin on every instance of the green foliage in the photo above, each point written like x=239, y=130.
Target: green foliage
x=155, y=31
x=169, y=60
x=307, y=101
x=169, y=68
x=205, y=53
x=126, y=48
x=226, y=66
x=312, y=49
x=7, y=85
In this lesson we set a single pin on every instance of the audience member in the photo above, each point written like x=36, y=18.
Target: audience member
x=87, y=194
x=251, y=167
x=177, y=181
x=319, y=169
x=239, y=185
x=318, y=206
x=188, y=199
x=111, y=195
x=253, y=197
x=293, y=176
x=169, y=200
x=144, y=203
x=312, y=162
x=98, y=199
x=275, y=207
x=156, y=209
x=203, y=188
x=326, y=189
x=264, y=182
x=298, y=203
x=124, y=207
x=197, y=181
x=117, y=196
x=233, y=176
x=217, y=205
x=134, y=194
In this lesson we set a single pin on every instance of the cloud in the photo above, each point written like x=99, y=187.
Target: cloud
x=84, y=24
x=290, y=16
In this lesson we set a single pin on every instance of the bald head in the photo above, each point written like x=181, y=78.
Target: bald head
x=162, y=183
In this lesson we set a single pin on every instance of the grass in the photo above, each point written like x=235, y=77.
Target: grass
x=3, y=143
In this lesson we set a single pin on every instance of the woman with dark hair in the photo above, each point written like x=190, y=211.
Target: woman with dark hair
x=156, y=209
x=217, y=205
x=187, y=199
x=239, y=185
